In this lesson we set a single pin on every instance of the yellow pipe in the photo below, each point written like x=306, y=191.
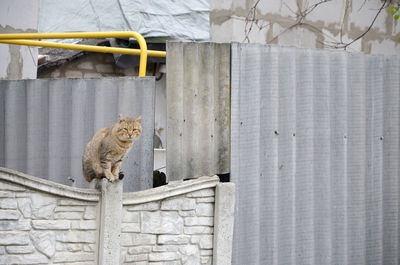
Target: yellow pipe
x=19, y=38
x=91, y=48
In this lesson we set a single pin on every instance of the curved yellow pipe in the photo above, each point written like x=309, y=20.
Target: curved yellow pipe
x=103, y=49
x=20, y=39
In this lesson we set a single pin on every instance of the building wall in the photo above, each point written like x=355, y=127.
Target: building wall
x=18, y=16
x=273, y=22
x=92, y=65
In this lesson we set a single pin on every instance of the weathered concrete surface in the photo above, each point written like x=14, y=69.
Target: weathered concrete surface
x=223, y=223
x=47, y=186
x=277, y=22
x=198, y=109
x=18, y=16
x=110, y=221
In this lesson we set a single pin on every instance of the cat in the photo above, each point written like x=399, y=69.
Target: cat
x=106, y=150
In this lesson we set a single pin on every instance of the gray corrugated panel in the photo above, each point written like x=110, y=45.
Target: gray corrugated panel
x=390, y=163
x=46, y=124
x=374, y=127
x=315, y=156
x=198, y=96
x=338, y=120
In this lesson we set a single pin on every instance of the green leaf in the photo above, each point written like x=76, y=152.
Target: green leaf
x=390, y=9
x=396, y=17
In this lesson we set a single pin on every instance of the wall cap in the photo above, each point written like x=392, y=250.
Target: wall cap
x=48, y=186
x=172, y=189
x=129, y=198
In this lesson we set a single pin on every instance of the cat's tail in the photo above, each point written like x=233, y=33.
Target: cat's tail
x=88, y=172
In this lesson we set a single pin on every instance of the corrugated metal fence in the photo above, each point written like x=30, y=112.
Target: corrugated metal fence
x=314, y=142
x=46, y=124
x=315, y=156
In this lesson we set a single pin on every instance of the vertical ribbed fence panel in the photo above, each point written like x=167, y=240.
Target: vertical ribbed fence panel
x=315, y=156
x=46, y=124
x=198, y=109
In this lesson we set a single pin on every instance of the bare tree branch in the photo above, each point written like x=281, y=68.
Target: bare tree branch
x=346, y=10
x=311, y=8
x=301, y=16
x=252, y=14
x=363, y=4
x=290, y=9
x=344, y=46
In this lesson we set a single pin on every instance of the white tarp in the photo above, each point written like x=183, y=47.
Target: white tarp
x=168, y=19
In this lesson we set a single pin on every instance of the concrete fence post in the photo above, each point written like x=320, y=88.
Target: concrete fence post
x=110, y=221
x=223, y=223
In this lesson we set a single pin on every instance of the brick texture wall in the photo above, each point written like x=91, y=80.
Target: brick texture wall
x=92, y=65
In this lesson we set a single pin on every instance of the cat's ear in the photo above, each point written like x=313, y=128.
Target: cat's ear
x=139, y=119
x=121, y=118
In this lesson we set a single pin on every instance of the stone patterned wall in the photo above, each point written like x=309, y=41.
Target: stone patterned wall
x=42, y=228
x=185, y=223
x=176, y=230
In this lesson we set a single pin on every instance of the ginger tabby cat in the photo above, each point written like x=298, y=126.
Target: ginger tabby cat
x=106, y=150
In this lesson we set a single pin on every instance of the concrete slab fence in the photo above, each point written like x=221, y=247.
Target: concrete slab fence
x=43, y=222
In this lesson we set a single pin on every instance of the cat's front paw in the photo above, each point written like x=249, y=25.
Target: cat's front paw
x=111, y=178
x=121, y=175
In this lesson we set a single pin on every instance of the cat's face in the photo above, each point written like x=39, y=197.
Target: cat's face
x=128, y=129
